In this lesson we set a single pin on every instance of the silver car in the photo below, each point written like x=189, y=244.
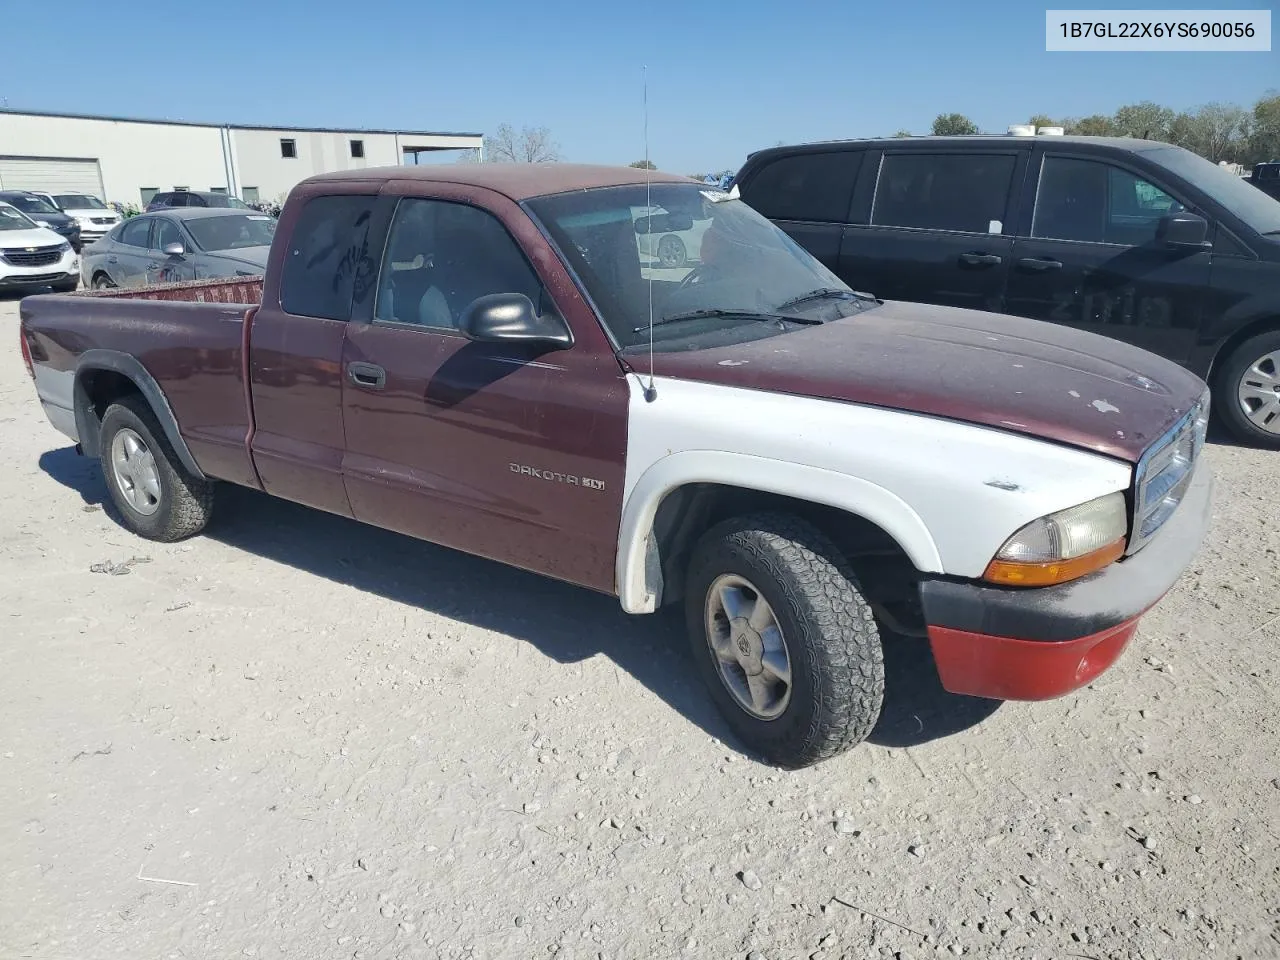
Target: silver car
x=170, y=246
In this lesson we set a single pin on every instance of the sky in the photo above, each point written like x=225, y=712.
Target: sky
x=723, y=79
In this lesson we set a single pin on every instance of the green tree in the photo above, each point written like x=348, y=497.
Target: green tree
x=1264, y=130
x=1043, y=120
x=953, y=125
x=1094, y=126
x=903, y=133
x=1145, y=120
x=643, y=165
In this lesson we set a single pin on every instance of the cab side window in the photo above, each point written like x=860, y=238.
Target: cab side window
x=329, y=257
x=440, y=257
x=806, y=186
x=1093, y=202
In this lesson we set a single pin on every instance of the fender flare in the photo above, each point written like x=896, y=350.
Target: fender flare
x=127, y=365
x=637, y=592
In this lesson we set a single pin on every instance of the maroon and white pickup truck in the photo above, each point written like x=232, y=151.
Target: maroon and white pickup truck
x=511, y=362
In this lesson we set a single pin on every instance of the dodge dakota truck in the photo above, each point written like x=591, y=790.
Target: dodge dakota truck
x=489, y=357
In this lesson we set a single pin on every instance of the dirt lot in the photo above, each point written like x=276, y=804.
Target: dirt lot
x=299, y=737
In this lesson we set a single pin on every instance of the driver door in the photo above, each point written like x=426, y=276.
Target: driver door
x=165, y=268
x=510, y=452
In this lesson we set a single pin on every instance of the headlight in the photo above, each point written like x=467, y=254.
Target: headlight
x=63, y=247
x=1063, y=546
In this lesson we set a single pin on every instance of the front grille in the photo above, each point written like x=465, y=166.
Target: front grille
x=39, y=257
x=1164, y=473
x=103, y=219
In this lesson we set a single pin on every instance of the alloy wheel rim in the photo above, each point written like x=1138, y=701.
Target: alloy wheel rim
x=136, y=475
x=748, y=647
x=1259, y=392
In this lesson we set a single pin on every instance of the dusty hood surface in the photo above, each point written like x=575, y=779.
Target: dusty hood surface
x=1015, y=374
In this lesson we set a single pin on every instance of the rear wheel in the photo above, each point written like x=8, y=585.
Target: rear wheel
x=102, y=282
x=784, y=639
x=155, y=494
x=1247, y=391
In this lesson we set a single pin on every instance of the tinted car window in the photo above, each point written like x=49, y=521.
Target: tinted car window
x=165, y=233
x=944, y=191
x=134, y=233
x=328, y=255
x=807, y=186
x=441, y=256
x=1094, y=202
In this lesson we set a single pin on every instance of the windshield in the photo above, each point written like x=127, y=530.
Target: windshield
x=232, y=232
x=11, y=219
x=715, y=265
x=79, y=201
x=31, y=204
x=1255, y=208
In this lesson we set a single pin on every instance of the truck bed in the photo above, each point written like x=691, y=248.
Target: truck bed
x=246, y=290
x=189, y=338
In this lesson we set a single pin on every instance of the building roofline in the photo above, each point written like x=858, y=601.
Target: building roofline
x=11, y=111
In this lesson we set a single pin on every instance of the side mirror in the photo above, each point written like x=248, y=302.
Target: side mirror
x=1183, y=231
x=512, y=318
x=174, y=249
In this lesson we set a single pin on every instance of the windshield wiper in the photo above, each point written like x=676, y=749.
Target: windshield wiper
x=719, y=312
x=824, y=293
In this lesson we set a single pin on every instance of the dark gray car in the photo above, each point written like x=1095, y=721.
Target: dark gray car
x=170, y=246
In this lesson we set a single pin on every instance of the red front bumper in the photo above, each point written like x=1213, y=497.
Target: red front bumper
x=1006, y=668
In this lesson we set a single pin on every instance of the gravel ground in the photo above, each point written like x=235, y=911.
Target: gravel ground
x=297, y=736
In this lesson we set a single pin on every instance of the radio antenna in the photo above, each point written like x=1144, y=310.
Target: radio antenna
x=651, y=391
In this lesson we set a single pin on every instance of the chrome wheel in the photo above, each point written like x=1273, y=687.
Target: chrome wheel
x=748, y=647
x=671, y=251
x=134, y=467
x=1259, y=392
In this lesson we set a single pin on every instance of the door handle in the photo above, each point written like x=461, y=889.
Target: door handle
x=975, y=259
x=1039, y=266
x=368, y=375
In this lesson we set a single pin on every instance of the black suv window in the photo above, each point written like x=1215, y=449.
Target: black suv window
x=805, y=186
x=441, y=256
x=1095, y=202
x=964, y=192
x=328, y=256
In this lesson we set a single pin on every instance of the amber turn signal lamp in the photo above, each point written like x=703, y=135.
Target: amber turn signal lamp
x=1011, y=573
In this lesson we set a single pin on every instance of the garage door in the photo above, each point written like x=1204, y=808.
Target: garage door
x=51, y=176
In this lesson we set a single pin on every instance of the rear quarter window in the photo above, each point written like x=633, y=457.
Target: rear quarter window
x=805, y=186
x=328, y=253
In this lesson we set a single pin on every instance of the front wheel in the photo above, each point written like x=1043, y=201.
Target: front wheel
x=155, y=494
x=784, y=639
x=1247, y=394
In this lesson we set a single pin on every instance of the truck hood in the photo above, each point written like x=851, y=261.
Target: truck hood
x=1011, y=373
x=35, y=237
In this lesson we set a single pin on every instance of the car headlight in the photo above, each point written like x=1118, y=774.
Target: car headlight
x=1063, y=546
x=63, y=247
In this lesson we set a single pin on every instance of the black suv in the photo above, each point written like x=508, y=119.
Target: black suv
x=1134, y=239
x=1266, y=177
x=194, y=198
x=46, y=214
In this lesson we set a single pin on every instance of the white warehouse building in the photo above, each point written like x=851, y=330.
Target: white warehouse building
x=127, y=160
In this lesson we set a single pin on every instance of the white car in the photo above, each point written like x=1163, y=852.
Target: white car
x=33, y=256
x=95, y=218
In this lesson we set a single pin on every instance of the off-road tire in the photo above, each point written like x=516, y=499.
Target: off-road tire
x=1226, y=384
x=186, y=501
x=837, y=661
